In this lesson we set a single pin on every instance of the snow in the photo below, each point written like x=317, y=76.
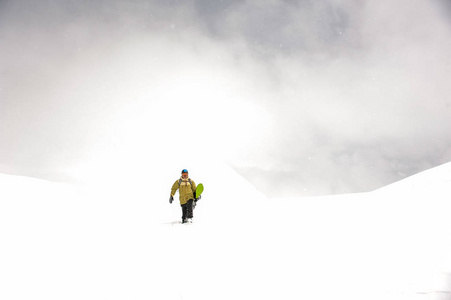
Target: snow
x=122, y=241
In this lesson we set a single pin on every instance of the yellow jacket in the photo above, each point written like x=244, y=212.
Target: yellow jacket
x=186, y=188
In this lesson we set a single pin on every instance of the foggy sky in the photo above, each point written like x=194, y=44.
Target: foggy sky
x=300, y=97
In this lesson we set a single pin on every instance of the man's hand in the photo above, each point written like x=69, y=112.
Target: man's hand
x=171, y=199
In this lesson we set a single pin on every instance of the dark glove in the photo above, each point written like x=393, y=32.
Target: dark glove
x=171, y=199
x=197, y=199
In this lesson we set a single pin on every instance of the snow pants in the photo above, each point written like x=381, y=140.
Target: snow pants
x=187, y=210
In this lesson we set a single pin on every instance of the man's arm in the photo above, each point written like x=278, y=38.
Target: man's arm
x=174, y=188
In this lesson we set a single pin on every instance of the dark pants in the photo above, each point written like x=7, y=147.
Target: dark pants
x=187, y=210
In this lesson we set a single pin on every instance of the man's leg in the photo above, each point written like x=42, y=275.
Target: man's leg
x=189, y=209
x=184, y=213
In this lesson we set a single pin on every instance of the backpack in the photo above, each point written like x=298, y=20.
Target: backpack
x=180, y=181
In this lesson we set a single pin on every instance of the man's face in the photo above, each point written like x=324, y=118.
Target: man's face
x=185, y=175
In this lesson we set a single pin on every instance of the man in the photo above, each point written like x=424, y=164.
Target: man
x=187, y=191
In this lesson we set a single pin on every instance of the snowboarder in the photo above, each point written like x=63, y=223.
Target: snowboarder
x=187, y=191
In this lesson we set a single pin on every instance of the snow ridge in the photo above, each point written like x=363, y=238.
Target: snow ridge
x=125, y=242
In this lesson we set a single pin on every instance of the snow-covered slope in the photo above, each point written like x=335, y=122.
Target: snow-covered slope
x=433, y=182
x=122, y=241
x=394, y=243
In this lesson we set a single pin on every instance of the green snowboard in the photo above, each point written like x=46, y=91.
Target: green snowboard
x=199, y=189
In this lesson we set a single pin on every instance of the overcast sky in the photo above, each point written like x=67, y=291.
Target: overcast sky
x=300, y=97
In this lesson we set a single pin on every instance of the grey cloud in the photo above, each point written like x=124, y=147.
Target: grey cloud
x=367, y=117
x=339, y=96
x=285, y=27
